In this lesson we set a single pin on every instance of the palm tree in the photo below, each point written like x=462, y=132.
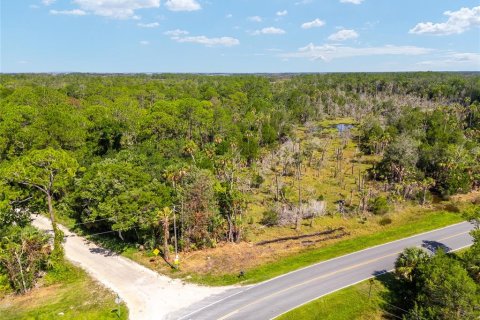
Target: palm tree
x=426, y=184
x=164, y=216
x=190, y=148
x=408, y=261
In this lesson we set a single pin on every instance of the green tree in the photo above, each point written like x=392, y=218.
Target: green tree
x=407, y=263
x=472, y=256
x=45, y=173
x=122, y=196
x=400, y=158
x=446, y=291
x=200, y=208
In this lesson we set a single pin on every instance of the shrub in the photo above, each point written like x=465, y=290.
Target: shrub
x=476, y=200
x=379, y=205
x=257, y=181
x=385, y=221
x=4, y=285
x=23, y=255
x=452, y=182
x=452, y=207
x=270, y=218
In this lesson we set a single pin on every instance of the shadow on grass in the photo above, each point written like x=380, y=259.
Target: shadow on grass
x=395, y=297
x=111, y=244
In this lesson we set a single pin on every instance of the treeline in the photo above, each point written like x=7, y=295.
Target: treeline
x=434, y=149
x=136, y=154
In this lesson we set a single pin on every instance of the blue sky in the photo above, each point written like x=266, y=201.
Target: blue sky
x=239, y=35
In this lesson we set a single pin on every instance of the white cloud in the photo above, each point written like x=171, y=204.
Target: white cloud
x=282, y=13
x=458, y=22
x=144, y=42
x=269, y=30
x=343, y=35
x=176, y=33
x=48, y=2
x=313, y=24
x=352, y=1
x=209, y=42
x=451, y=60
x=74, y=12
x=149, y=25
x=116, y=9
x=302, y=2
x=329, y=52
x=228, y=16
x=182, y=36
x=183, y=5
x=255, y=19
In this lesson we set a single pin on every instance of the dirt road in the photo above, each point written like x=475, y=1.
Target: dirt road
x=147, y=294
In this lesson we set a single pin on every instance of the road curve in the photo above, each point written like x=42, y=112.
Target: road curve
x=272, y=298
x=148, y=295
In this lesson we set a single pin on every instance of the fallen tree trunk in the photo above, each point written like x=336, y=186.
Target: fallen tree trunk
x=321, y=233
x=337, y=236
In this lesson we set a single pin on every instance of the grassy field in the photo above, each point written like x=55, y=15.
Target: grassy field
x=362, y=301
x=310, y=256
x=65, y=294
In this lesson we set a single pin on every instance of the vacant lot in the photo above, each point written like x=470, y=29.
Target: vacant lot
x=66, y=294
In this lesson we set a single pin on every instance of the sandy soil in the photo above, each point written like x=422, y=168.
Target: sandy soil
x=147, y=294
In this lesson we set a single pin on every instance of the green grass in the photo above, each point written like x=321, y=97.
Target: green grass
x=307, y=257
x=370, y=299
x=67, y=293
x=350, y=303
x=331, y=122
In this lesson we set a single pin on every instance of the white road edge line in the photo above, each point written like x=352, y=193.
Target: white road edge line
x=344, y=287
x=369, y=248
x=215, y=302
x=319, y=263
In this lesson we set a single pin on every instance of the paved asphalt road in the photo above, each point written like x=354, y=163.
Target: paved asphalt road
x=272, y=298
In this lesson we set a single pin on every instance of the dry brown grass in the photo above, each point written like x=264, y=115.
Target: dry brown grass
x=230, y=258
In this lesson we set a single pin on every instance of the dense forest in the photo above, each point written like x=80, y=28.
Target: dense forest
x=147, y=157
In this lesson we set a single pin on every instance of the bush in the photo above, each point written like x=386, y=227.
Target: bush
x=4, y=285
x=476, y=201
x=270, y=218
x=385, y=221
x=379, y=205
x=257, y=181
x=452, y=207
x=23, y=255
x=452, y=182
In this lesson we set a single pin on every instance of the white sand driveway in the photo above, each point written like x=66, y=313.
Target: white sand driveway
x=147, y=294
